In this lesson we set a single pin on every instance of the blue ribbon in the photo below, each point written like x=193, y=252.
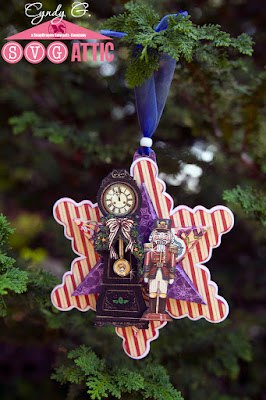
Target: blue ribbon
x=151, y=95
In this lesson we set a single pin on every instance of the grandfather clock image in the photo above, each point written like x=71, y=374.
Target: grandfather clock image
x=120, y=302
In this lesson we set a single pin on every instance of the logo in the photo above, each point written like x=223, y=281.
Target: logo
x=12, y=52
x=57, y=27
x=34, y=52
x=97, y=48
x=35, y=12
x=57, y=52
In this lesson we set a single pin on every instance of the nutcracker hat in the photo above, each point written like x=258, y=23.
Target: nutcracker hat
x=161, y=224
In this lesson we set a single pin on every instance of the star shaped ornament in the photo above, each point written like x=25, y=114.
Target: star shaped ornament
x=195, y=231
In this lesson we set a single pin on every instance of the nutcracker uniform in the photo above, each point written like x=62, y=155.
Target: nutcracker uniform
x=159, y=264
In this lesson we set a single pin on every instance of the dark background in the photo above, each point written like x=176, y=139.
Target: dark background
x=77, y=121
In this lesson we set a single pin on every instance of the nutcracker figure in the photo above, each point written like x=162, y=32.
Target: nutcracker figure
x=159, y=268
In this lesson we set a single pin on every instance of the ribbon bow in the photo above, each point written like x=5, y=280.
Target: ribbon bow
x=114, y=225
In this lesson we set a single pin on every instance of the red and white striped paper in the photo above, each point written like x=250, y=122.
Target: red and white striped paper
x=136, y=342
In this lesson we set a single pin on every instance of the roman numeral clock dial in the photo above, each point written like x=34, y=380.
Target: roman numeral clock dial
x=119, y=194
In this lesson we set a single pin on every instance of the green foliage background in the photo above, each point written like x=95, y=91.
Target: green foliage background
x=63, y=128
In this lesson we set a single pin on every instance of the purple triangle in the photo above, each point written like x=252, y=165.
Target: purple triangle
x=183, y=288
x=147, y=215
x=92, y=282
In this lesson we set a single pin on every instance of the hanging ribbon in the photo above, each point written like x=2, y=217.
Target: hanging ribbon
x=114, y=225
x=152, y=94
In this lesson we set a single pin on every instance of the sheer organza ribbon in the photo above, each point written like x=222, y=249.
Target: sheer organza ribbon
x=152, y=94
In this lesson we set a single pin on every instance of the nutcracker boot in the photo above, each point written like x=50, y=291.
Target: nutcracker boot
x=162, y=305
x=152, y=305
x=150, y=314
x=164, y=316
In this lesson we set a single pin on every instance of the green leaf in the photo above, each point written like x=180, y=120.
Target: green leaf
x=103, y=380
x=181, y=39
x=13, y=279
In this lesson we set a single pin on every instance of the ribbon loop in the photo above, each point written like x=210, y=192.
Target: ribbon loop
x=151, y=95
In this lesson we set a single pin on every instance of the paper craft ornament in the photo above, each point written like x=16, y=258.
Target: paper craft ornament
x=140, y=260
x=192, y=294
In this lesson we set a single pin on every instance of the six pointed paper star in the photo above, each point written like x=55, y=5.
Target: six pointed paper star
x=210, y=225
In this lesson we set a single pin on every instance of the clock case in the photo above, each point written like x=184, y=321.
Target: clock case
x=120, y=302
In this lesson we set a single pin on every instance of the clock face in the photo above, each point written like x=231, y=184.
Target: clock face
x=119, y=194
x=119, y=199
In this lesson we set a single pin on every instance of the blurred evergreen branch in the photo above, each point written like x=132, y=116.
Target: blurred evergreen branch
x=61, y=134
x=252, y=202
x=29, y=277
x=11, y=278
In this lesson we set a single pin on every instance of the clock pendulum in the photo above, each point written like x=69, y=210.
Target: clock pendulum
x=120, y=301
x=121, y=267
